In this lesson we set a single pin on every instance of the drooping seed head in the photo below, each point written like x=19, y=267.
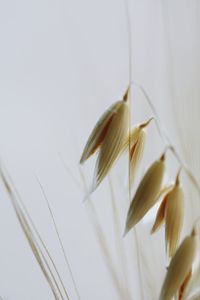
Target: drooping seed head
x=174, y=213
x=99, y=132
x=112, y=144
x=160, y=216
x=179, y=268
x=146, y=194
x=136, y=139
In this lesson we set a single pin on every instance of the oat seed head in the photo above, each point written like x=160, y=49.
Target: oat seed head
x=99, y=132
x=179, y=268
x=112, y=144
x=146, y=194
x=174, y=213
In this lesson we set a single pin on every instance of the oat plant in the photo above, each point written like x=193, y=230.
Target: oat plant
x=115, y=138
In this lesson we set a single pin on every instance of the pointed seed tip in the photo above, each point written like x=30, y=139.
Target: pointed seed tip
x=125, y=98
x=178, y=176
x=145, y=124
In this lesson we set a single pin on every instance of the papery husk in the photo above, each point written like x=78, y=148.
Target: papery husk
x=174, y=213
x=99, y=132
x=146, y=194
x=136, y=153
x=179, y=268
x=184, y=285
x=112, y=144
x=160, y=217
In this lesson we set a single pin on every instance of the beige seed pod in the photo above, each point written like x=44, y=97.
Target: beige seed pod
x=174, y=212
x=112, y=144
x=184, y=285
x=137, y=142
x=136, y=154
x=160, y=217
x=179, y=268
x=146, y=194
x=99, y=132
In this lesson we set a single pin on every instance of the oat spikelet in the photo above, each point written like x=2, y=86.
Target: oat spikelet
x=146, y=194
x=160, y=217
x=179, y=268
x=137, y=139
x=184, y=285
x=174, y=213
x=99, y=132
x=112, y=144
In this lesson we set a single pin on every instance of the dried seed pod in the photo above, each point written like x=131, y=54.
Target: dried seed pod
x=136, y=153
x=146, y=194
x=184, y=285
x=174, y=212
x=160, y=217
x=137, y=142
x=112, y=144
x=179, y=268
x=99, y=132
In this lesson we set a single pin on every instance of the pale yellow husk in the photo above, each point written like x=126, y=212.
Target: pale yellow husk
x=136, y=153
x=194, y=283
x=179, y=268
x=160, y=216
x=146, y=194
x=99, y=132
x=174, y=213
x=112, y=144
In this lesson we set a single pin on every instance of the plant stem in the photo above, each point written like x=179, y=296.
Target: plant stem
x=59, y=238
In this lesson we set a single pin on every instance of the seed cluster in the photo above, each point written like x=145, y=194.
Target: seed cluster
x=111, y=137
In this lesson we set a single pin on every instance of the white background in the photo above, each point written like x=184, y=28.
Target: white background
x=62, y=63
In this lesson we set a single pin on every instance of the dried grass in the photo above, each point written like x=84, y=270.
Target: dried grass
x=56, y=285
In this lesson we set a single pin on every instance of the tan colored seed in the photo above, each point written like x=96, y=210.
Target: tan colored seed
x=99, y=132
x=136, y=154
x=146, y=194
x=174, y=212
x=184, y=285
x=160, y=217
x=179, y=268
x=137, y=142
x=112, y=144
